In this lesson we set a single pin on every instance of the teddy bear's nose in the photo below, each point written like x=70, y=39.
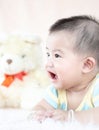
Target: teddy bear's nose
x=9, y=61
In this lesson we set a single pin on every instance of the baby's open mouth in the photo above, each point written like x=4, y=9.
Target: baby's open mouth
x=53, y=75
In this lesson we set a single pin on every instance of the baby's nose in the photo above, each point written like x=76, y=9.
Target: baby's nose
x=49, y=63
x=9, y=61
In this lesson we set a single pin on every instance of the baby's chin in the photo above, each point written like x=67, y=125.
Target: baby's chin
x=57, y=86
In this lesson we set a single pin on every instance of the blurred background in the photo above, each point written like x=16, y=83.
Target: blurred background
x=36, y=16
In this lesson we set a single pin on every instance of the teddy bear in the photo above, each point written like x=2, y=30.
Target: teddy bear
x=23, y=79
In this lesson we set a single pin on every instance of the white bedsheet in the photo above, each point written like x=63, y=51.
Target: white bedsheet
x=16, y=119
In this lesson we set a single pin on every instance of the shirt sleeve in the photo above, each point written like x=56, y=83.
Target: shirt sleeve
x=51, y=96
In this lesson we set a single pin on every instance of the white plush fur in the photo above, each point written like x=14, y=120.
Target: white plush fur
x=17, y=119
x=25, y=54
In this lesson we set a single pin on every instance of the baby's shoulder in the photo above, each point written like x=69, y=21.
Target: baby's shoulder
x=95, y=85
x=95, y=93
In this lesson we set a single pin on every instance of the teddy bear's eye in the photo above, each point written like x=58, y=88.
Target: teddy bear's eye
x=23, y=56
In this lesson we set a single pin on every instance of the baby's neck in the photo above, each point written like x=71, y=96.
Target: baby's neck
x=74, y=98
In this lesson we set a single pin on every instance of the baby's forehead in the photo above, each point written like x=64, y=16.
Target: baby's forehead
x=66, y=37
x=60, y=41
x=63, y=34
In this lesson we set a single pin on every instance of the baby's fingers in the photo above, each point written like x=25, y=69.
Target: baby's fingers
x=59, y=115
x=36, y=116
x=49, y=114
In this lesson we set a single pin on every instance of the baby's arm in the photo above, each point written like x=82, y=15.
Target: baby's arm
x=42, y=111
x=88, y=116
x=84, y=117
x=43, y=106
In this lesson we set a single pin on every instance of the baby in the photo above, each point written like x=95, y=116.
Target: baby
x=73, y=66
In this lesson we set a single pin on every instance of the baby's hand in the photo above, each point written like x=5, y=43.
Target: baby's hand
x=59, y=115
x=40, y=115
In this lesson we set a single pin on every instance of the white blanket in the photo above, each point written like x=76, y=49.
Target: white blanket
x=17, y=119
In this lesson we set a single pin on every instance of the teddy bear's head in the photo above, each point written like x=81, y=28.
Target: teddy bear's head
x=22, y=77
x=19, y=54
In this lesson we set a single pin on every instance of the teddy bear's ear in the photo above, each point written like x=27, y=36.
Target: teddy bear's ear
x=33, y=39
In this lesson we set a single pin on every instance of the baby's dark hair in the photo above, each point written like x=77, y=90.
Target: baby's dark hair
x=86, y=30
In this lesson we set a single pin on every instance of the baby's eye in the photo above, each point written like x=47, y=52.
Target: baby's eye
x=57, y=56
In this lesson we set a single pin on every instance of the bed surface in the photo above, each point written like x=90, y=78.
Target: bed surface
x=17, y=119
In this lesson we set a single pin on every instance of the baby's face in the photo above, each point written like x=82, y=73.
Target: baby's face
x=63, y=65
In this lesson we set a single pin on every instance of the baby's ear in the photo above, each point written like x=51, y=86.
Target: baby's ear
x=89, y=64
